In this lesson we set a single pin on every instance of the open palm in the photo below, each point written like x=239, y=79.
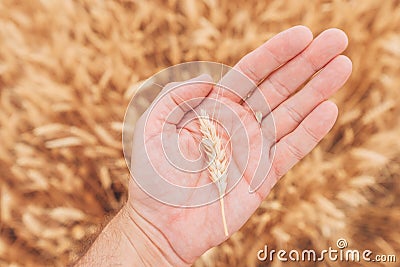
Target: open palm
x=167, y=138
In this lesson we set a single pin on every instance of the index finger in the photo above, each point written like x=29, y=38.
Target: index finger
x=262, y=61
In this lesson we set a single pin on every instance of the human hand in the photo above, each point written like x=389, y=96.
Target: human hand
x=292, y=125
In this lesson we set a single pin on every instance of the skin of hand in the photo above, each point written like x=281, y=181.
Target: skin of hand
x=179, y=235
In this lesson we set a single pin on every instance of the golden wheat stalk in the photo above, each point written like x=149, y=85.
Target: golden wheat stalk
x=217, y=160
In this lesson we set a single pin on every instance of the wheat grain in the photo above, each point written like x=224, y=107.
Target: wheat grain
x=216, y=156
x=258, y=116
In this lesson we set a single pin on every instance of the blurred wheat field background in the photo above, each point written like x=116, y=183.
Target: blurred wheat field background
x=69, y=68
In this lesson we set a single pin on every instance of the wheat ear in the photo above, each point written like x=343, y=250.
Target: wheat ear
x=216, y=156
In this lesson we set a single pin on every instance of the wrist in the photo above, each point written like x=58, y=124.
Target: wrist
x=146, y=240
x=129, y=241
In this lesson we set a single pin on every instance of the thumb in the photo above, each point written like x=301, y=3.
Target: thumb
x=177, y=98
